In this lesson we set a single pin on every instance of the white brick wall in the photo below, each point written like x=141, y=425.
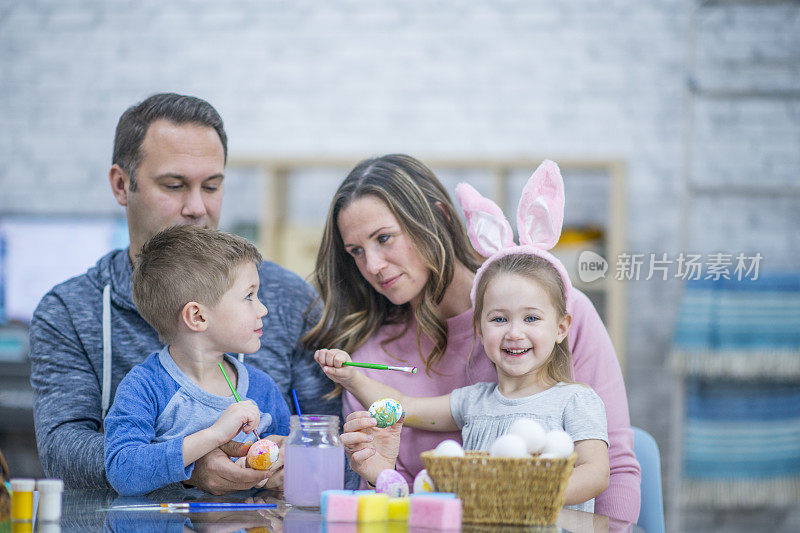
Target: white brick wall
x=585, y=78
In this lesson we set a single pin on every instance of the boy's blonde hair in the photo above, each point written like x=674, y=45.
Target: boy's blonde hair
x=558, y=366
x=185, y=264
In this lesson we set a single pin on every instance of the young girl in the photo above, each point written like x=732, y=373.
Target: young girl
x=520, y=301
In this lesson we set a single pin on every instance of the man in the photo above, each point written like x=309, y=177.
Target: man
x=168, y=168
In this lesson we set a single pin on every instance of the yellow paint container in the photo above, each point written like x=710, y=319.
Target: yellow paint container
x=21, y=527
x=22, y=498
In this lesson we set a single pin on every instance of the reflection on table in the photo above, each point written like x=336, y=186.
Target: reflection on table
x=88, y=510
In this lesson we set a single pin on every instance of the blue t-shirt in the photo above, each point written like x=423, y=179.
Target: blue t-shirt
x=157, y=405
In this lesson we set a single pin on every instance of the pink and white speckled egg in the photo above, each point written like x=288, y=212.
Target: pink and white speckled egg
x=392, y=483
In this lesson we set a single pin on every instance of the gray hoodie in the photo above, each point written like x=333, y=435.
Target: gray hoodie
x=66, y=341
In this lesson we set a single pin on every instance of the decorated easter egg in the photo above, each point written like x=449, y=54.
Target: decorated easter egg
x=449, y=448
x=531, y=432
x=557, y=443
x=423, y=482
x=392, y=483
x=262, y=454
x=386, y=411
x=509, y=446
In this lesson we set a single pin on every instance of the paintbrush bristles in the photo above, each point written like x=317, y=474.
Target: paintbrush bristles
x=409, y=369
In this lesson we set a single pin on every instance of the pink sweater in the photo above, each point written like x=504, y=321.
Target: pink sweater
x=594, y=363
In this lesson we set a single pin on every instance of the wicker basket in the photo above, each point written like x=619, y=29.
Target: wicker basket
x=499, y=490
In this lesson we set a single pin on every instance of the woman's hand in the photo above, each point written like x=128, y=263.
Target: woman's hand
x=331, y=362
x=371, y=449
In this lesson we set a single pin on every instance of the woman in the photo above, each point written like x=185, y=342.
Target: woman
x=394, y=273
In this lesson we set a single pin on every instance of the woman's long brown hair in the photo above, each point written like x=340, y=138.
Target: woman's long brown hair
x=352, y=310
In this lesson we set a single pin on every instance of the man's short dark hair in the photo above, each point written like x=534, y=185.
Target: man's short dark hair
x=176, y=108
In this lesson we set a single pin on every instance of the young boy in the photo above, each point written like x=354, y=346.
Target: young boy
x=198, y=289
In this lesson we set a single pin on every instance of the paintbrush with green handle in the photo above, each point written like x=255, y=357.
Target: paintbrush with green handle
x=233, y=389
x=238, y=399
x=376, y=366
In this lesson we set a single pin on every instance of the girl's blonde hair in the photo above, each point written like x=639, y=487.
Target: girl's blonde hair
x=352, y=310
x=558, y=366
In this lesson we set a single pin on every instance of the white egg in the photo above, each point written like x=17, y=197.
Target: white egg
x=558, y=444
x=423, y=483
x=509, y=446
x=449, y=448
x=531, y=432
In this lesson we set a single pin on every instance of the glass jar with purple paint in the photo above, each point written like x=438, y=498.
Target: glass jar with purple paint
x=314, y=459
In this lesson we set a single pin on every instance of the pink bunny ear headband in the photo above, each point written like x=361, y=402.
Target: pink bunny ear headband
x=539, y=219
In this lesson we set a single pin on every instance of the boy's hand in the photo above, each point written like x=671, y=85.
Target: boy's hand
x=240, y=416
x=331, y=363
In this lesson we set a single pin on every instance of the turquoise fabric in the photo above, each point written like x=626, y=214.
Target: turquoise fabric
x=731, y=315
x=651, y=512
x=736, y=347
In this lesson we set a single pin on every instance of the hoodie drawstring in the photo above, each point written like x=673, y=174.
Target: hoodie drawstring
x=106, y=397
